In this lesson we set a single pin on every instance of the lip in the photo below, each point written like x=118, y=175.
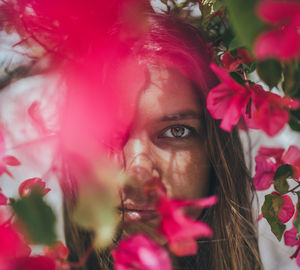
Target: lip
x=131, y=213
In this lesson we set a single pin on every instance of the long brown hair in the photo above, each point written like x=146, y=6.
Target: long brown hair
x=234, y=244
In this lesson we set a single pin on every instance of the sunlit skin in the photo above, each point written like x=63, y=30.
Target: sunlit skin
x=165, y=142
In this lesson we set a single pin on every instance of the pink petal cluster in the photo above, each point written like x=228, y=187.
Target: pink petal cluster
x=291, y=239
x=231, y=63
x=269, y=159
x=26, y=186
x=140, y=253
x=231, y=101
x=287, y=209
x=283, y=40
x=180, y=230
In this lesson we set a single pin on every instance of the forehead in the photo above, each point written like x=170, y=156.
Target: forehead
x=168, y=93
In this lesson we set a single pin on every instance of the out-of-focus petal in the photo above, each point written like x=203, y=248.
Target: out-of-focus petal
x=29, y=184
x=292, y=157
x=287, y=209
x=290, y=237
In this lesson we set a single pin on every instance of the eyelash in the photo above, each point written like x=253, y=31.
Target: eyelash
x=188, y=131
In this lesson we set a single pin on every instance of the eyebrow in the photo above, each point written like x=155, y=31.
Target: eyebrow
x=188, y=114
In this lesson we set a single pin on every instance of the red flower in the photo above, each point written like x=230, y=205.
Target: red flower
x=269, y=159
x=140, y=253
x=227, y=100
x=27, y=185
x=283, y=40
x=180, y=230
x=270, y=111
x=231, y=63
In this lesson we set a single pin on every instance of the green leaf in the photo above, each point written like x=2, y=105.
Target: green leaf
x=244, y=20
x=36, y=218
x=280, y=178
x=296, y=222
x=269, y=71
x=234, y=44
x=295, y=120
x=270, y=208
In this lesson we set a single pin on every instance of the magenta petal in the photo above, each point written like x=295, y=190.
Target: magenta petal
x=292, y=157
x=184, y=248
x=141, y=253
x=277, y=11
x=298, y=259
x=287, y=209
x=263, y=181
x=271, y=118
x=290, y=237
x=218, y=100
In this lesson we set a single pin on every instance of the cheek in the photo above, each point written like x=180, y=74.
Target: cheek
x=185, y=173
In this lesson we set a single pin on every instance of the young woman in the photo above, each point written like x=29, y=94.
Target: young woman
x=170, y=136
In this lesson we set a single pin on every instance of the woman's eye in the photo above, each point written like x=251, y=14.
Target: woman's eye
x=177, y=132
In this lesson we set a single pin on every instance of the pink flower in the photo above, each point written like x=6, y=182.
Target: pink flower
x=270, y=111
x=227, y=100
x=290, y=239
x=287, y=209
x=231, y=63
x=12, y=246
x=27, y=185
x=180, y=230
x=140, y=253
x=292, y=157
x=283, y=40
x=267, y=161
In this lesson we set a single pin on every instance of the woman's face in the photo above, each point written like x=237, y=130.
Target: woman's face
x=165, y=143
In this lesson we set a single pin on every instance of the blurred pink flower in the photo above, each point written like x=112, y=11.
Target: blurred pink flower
x=59, y=253
x=267, y=161
x=270, y=111
x=141, y=253
x=29, y=184
x=283, y=40
x=180, y=230
x=12, y=246
x=227, y=100
x=287, y=209
x=291, y=239
x=292, y=157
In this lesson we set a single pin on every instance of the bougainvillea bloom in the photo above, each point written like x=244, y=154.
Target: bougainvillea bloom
x=283, y=40
x=227, y=100
x=291, y=239
x=267, y=161
x=287, y=209
x=59, y=253
x=231, y=63
x=270, y=111
x=27, y=185
x=141, y=253
x=12, y=246
x=292, y=157
x=180, y=230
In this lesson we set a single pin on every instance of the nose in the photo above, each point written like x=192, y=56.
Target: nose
x=138, y=159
